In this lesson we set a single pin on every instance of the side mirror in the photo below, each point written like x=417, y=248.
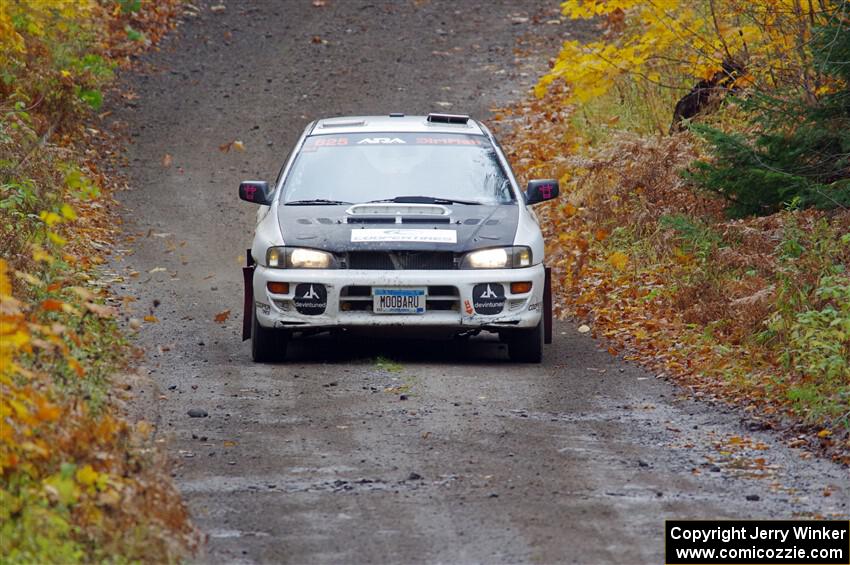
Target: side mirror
x=255, y=192
x=541, y=191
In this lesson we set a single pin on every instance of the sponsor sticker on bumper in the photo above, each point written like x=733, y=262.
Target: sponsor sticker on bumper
x=488, y=298
x=310, y=299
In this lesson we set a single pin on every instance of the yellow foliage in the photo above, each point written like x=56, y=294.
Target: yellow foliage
x=11, y=39
x=50, y=218
x=87, y=476
x=68, y=213
x=56, y=238
x=39, y=19
x=39, y=255
x=673, y=43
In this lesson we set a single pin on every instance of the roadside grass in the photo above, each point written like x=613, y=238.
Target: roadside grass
x=78, y=483
x=388, y=365
x=755, y=312
x=629, y=106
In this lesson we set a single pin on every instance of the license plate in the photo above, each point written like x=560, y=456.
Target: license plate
x=399, y=300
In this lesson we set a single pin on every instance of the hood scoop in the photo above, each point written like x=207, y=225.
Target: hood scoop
x=392, y=213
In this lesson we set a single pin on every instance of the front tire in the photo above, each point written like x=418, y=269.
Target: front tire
x=526, y=346
x=267, y=344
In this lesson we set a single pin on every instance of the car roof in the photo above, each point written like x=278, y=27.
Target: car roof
x=396, y=123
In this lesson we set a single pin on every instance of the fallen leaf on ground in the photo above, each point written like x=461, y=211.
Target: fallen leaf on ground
x=618, y=260
x=166, y=160
x=100, y=310
x=221, y=317
x=583, y=329
x=51, y=305
x=83, y=293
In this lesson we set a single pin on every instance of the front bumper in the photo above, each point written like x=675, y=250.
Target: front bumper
x=449, y=304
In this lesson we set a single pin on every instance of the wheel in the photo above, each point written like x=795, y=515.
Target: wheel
x=526, y=346
x=267, y=344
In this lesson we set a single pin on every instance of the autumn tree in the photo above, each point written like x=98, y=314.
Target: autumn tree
x=800, y=152
x=781, y=59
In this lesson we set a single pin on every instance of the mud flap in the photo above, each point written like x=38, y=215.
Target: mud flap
x=248, y=308
x=547, y=307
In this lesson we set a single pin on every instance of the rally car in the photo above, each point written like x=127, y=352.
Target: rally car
x=401, y=222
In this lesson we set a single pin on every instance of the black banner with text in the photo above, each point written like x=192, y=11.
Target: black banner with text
x=763, y=542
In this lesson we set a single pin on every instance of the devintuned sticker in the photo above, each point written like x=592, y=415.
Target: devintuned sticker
x=405, y=235
x=488, y=298
x=310, y=299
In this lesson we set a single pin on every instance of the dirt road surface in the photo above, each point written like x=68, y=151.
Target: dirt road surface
x=338, y=455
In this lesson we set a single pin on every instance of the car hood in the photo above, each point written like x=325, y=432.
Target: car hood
x=336, y=229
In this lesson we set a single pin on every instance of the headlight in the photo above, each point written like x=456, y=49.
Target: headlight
x=498, y=258
x=299, y=258
x=309, y=259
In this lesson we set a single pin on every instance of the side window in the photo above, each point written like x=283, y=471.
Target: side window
x=509, y=172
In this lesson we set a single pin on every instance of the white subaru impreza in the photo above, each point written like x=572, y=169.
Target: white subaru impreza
x=413, y=222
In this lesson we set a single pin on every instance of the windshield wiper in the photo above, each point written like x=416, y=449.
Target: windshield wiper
x=315, y=202
x=425, y=200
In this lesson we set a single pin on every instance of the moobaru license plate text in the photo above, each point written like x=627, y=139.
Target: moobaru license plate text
x=399, y=300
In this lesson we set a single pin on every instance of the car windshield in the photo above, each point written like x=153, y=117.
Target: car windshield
x=447, y=168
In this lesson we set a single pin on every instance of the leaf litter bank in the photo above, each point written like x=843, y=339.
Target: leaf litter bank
x=753, y=311
x=78, y=482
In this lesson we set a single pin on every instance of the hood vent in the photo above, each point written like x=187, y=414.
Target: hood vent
x=398, y=220
x=397, y=213
x=397, y=209
x=425, y=220
x=371, y=220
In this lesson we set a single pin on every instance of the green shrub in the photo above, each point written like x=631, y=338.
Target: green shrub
x=695, y=236
x=799, y=148
x=820, y=337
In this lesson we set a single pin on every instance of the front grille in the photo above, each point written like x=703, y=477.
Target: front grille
x=401, y=260
x=359, y=298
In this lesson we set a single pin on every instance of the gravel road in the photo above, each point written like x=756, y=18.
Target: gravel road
x=340, y=455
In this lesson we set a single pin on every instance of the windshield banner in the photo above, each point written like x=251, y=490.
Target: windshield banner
x=316, y=142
